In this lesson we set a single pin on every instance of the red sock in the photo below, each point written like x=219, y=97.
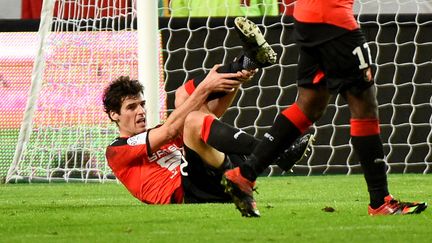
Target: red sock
x=297, y=117
x=288, y=126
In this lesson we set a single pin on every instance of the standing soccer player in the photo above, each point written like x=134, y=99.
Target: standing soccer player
x=334, y=59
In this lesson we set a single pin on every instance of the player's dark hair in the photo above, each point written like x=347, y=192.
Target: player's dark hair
x=117, y=91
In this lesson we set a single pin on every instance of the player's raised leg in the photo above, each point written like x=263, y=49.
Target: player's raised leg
x=257, y=52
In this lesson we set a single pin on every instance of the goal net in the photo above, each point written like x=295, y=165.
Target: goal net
x=84, y=44
x=399, y=34
x=92, y=42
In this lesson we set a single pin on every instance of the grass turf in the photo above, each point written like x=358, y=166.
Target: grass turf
x=291, y=208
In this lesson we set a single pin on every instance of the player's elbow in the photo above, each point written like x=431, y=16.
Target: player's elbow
x=172, y=132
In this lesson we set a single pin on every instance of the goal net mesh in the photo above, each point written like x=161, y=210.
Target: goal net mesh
x=90, y=44
x=400, y=38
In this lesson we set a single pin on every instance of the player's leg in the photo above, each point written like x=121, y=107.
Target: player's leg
x=211, y=138
x=205, y=133
x=358, y=89
x=201, y=182
x=366, y=140
x=288, y=126
x=256, y=53
x=360, y=93
x=312, y=100
x=199, y=132
x=194, y=139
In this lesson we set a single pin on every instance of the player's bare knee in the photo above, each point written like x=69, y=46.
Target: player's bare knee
x=364, y=105
x=364, y=111
x=313, y=102
x=317, y=114
x=193, y=123
x=313, y=111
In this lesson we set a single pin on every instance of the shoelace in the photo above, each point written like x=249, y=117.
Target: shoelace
x=397, y=203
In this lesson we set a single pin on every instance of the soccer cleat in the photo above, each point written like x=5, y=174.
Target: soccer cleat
x=393, y=206
x=300, y=149
x=241, y=191
x=256, y=49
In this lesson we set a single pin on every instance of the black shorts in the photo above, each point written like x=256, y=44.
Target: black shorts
x=344, y=61
x=202, y=184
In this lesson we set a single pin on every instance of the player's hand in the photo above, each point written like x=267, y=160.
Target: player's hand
x=247, y=75
x=221, y=82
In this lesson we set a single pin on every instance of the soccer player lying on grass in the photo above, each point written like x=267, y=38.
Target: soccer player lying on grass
x=148, y=162
x=334, y=58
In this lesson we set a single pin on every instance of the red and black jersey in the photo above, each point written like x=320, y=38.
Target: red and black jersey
x=150, y=177
x=317, y=21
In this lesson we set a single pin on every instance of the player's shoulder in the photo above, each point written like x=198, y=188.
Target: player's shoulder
x=120, y=141
x=139, y=139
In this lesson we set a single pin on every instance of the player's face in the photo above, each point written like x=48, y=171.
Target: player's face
x=132, y=117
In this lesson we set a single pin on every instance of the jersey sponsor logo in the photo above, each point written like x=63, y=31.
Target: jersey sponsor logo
x=269, y=137
x=183, y=165
x=168, y=157
x=137, y=139
x=171, y=162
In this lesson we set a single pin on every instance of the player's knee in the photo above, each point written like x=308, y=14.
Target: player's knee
x=313, y=102
x=193, y=123
x=364, y=104
x=365, y=112
x=314, y=111
x=367, y=107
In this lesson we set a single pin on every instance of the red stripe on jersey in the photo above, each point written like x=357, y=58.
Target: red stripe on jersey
x=335, y=12
x=364, y=127
x=297, y=117
x=205, y=129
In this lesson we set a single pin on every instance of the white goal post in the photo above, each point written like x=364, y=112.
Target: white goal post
x=84, y=44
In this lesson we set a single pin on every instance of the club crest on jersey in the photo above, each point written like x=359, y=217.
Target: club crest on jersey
x=137, y=139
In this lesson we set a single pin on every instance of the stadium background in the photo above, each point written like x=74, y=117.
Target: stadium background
x=15, y=78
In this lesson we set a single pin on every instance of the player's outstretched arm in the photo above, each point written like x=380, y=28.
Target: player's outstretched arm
x=216, y=106
x=213, y=82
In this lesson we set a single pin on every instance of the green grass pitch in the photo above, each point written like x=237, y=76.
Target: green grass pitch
x=291, y=209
